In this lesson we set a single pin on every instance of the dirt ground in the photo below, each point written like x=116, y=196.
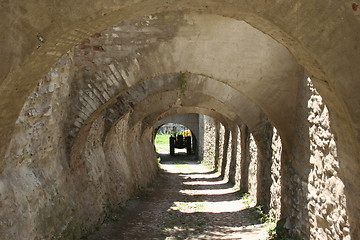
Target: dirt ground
x=186, y=201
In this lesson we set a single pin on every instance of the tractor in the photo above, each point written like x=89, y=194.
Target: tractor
x=180, y=142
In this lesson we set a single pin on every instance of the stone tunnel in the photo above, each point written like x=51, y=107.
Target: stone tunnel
x=83, y=85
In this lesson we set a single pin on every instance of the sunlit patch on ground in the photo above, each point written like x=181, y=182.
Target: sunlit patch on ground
x=210, y=191
x=204, y=183
x=202, y=176
x=214, y=207
x=188, y=201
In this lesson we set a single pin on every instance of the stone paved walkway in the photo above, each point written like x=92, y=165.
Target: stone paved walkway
x=187, y=201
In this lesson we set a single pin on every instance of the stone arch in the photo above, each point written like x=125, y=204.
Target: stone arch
x=125, y=73
x=146, y=119
x=248, y=111
x=161, y=102
x=261, y=131
x=256, y=21
x=151, y=119
x=327, y=62
x=257, y=14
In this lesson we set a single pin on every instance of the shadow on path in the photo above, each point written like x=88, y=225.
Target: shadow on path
x=180, y=205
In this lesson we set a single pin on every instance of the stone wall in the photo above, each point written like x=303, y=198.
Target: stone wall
x=326, y=198
x=107, y=172
x=48, y=193
x=238, y=157
x=315, y=190
x=215, y=139
x=36, y=192
x=229, y=153
x=209, y=143
x=253, y=151
x=226, y=156
x=216, y=145
x=251, y=154
x=245, y=158
x=31, y=46
x=221, y=146
x=275, y=189
x=313, y=198
x=234, y=162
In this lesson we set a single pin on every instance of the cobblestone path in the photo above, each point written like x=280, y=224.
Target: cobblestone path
x=186, y=201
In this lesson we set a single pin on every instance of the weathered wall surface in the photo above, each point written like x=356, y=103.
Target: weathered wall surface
x=209, y=143
x=90, y=174
x=221, y=130
x=226, y=155
x=36, y=189
x=317, y=202
x=47, y=194
x=326, y=198
x=275, y=189
x=200, y=140
x=245, y=158
x=315, y=195
x=263, y=138
x=216, y=145
x=229, y=153
x=39, y=188
x=107, y=170
x=238, y=157
x=235, y=155
x=253, y=153
x=112, y=60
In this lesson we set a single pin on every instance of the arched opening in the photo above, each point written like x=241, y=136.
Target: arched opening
x=98, y=103
x=168, y=132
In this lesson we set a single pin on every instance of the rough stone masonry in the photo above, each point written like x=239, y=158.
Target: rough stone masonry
x=83, y=83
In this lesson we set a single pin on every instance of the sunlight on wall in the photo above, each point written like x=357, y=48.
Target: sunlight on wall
x=326, y=199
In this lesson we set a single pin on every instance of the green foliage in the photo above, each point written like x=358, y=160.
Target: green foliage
x=263, y=217
x=275, y=232
x=162, y=140
x=207, y=163
x=278, y=232
x=246, y=198
x=274, y=235
x=179, y=162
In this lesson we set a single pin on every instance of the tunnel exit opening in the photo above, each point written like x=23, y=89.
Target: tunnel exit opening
x=174, y=139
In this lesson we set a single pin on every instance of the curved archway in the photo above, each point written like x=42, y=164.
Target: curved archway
x=174, y=127
x=312, y=49
x=187, y=121
x=197, y=85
